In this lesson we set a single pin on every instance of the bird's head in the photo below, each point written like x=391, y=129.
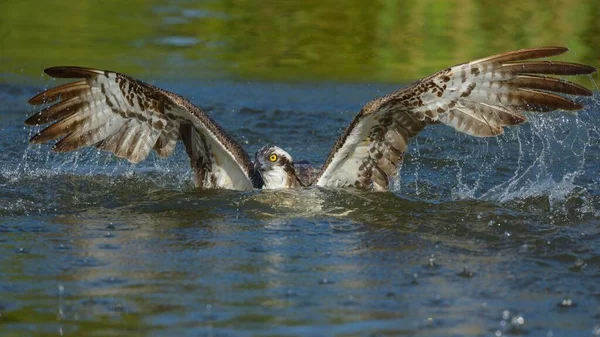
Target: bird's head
x=276, y=167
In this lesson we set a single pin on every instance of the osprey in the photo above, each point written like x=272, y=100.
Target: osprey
x=130, y=118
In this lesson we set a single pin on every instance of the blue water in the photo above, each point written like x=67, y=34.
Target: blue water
x=479, y=237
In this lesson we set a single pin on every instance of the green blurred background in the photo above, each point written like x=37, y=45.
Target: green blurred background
x=361, y=40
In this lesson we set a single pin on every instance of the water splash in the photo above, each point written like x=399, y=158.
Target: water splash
x=553, y=156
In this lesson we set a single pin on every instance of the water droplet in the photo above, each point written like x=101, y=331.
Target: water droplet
x=325, y=281
x=566, y=303
x=415, y=277
x=517, y=320
x=579, y=265
x=498, y=333
x=431, y=261
x=596, y=331
x=119, y=307
x=505, y=315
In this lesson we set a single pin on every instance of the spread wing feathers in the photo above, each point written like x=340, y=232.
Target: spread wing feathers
x=130, y=118
x=477, y=98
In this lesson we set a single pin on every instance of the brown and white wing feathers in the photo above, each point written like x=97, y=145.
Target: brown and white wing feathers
x=130, y=118
x=478, y=98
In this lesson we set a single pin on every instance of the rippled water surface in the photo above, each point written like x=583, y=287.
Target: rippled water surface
x=479, y=237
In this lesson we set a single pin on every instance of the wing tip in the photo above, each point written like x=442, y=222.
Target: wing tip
x=33, y=120
x=586, y=93
x=547, y=68
x=72, y=72
x=548, y=50
x=583, y=69
x=517, y=119
x=558, y=49
x=38, y=99
x=573, y=107
x=37, y=139
x=577, y=90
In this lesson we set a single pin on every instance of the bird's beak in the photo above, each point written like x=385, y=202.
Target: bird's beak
x=258, y=165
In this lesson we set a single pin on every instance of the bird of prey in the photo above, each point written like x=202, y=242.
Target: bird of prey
x=130, y=118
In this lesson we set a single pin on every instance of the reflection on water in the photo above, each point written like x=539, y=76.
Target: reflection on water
x=479, y=237
x=383, y=40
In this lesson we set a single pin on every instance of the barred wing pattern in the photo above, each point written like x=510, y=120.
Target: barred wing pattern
x=129, y=118
x=477, y=98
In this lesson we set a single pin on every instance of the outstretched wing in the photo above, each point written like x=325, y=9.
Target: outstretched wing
x=129, y=118
x=477, y=98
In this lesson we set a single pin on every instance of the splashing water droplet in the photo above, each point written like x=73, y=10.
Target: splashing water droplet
x=517, y=320
x=431, y=261
x=325, y=281
x=567, y=302
x=579, y=265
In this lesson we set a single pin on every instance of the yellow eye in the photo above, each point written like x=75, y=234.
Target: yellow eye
x=273, y=158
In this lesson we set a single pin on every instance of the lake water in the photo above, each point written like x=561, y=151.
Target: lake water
x=480, y=237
